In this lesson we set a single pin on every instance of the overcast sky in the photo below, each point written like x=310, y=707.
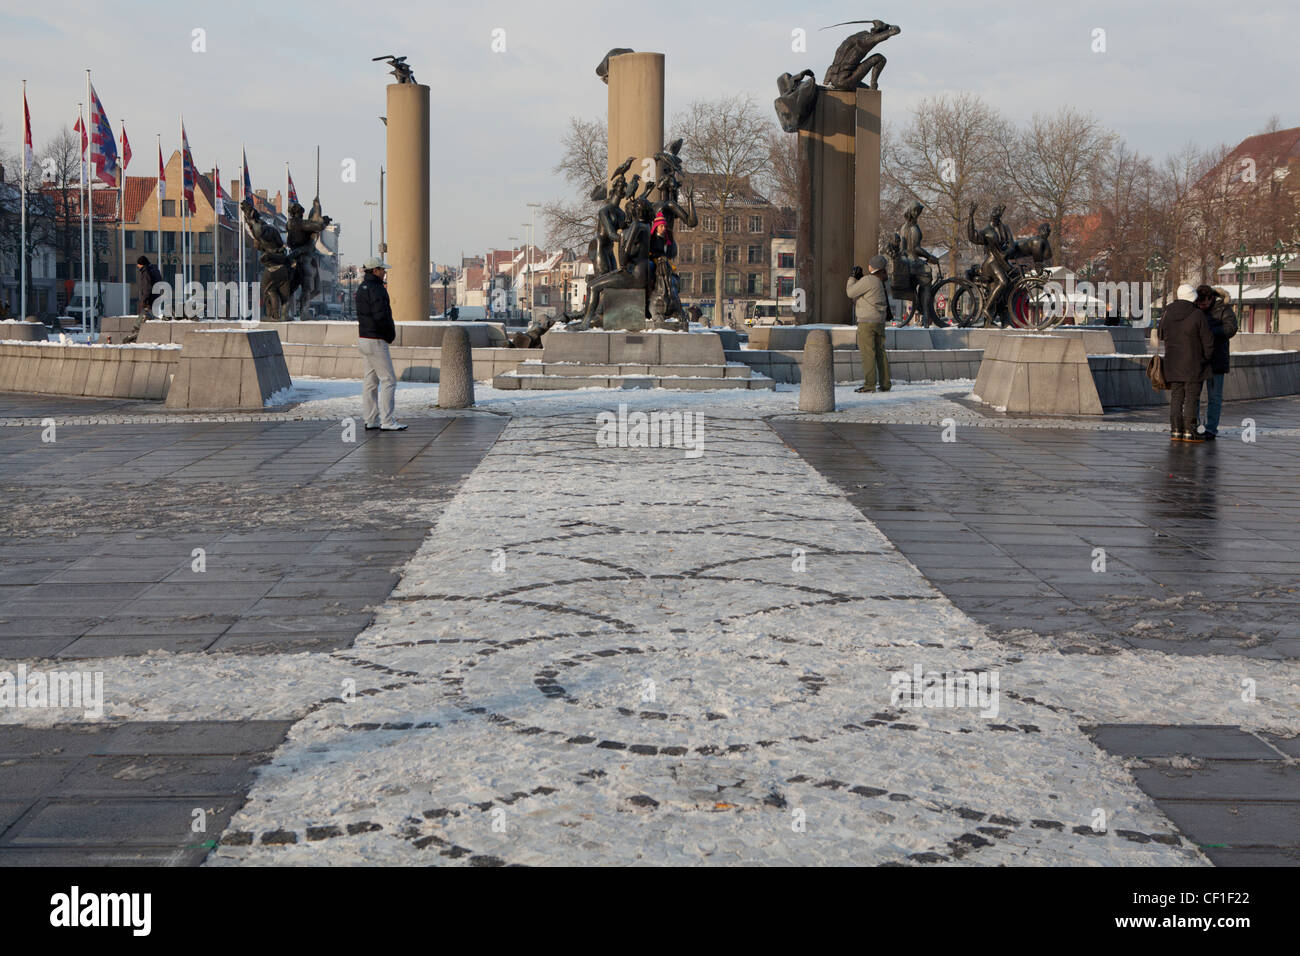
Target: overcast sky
x=286, y=76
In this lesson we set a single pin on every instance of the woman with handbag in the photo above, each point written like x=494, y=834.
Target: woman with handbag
x=1188, y=346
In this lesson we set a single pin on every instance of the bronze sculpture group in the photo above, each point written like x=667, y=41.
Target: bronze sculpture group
x=286, y=269
x=633, y=247
x=854, y=59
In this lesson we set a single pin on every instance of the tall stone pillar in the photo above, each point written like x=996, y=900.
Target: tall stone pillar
x=636, y=111
x=839, y=200
x=866, y=177
x=408, y=201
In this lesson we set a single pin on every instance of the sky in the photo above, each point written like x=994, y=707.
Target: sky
x=285, y=77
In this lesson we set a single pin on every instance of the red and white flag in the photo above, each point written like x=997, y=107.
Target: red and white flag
x=29, y=157
x=188, y=173
x=126, y=150
x=293, y=193
x=162, y=177
x=103, y=148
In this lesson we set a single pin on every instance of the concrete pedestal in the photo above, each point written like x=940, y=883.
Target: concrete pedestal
x=408, y=201
x=839, y=200
x=228, y=368
x=624, y=310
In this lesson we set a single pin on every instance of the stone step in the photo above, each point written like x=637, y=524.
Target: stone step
x=522, y=378
x=730, y=370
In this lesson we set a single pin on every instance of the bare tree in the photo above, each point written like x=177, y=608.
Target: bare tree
x=1122, y=196
x=582, y=163
x=60, y=165
x=1053, y=163
x=781, y=178
x=948, y=156
x=727, y=140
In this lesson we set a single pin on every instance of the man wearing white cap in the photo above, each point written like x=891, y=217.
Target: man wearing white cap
x=375, y=332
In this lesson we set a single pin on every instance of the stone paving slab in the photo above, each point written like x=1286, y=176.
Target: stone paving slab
x=299, y=529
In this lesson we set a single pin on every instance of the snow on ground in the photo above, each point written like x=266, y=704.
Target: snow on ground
x=611, y=655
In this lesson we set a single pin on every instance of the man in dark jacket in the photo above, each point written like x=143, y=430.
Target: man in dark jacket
x=146, y=277
x=1223, y=326
x=1185, y=333
x=375, y=332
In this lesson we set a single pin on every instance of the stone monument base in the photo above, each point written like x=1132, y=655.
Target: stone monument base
x=1038, y=374
x=228, y=368
x=624, y=310
x=615, y=359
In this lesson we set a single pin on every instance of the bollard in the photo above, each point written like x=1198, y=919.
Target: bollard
x=456, y=372
x=817, y=374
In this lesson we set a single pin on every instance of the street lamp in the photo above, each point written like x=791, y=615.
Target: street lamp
x=1240, y=265
x=444, y=277
x=371, y=203
x=532, y=240
x=513, y=284
x=1277, y=258
x=1157, y=267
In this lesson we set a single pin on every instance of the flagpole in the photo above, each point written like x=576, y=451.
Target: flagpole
x=158, y=188
x=184, y=212
x=81, y=212
x=216, y=225
x=22, y=249
x=239, y=216
x=90, y=215
x=121, y=220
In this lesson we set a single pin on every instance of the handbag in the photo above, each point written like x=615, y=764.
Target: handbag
x=1156, y=373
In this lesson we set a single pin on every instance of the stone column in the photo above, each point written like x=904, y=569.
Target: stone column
x=839, y=200
x=408, y=201
x=636, y=111
x=866, y=177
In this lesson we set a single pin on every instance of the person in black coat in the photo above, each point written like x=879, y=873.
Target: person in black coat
x=146, y=277
x=1223, y=326
x=1188, y=343
x=375, y=332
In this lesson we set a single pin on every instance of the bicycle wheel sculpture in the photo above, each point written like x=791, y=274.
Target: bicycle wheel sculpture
x=1032, y=304
x=957, y=300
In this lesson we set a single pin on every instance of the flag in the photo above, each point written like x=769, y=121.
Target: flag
x=218, y=194
x=187, y=172
x=80, y=128
x=248, y=180
x=126, y=150
x=29, y=158
x=103, y=148
x=162, y=177
x=293, y=193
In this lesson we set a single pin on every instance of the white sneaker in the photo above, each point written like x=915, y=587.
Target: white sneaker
x=393, y=427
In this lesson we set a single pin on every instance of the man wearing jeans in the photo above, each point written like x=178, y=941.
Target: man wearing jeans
x=375, y=332
x=1223, y=326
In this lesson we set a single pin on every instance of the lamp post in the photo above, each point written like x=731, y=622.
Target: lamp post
x=534, y=206
x=513, y=284
x=1156, y=266
x=1240, y=265
x=1277, y=258
x=372, y=204
x=444, y=277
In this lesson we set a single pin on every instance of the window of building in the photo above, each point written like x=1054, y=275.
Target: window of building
x=707, y=283
x=205, y=242
x=205, y=274
x=785, y=285
x=731, y=224
x=755, y=223
x=732, y=283
x=754, y=284
x=688, y=253
x=710, y=224
x=785, y=260
x=732, y=254
x=684, y=283
x=169, y=207
x=709, y=254
x=755, y=255
x=169, y=242
x=150, y=242
x=129, y=238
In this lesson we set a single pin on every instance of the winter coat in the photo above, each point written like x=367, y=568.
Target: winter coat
x=1223, y=325
x=374, y=313
x=870, y=302
x=146, y=277
x=1185, y=331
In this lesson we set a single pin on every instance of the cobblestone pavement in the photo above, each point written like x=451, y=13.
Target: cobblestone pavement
x=628, y=655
